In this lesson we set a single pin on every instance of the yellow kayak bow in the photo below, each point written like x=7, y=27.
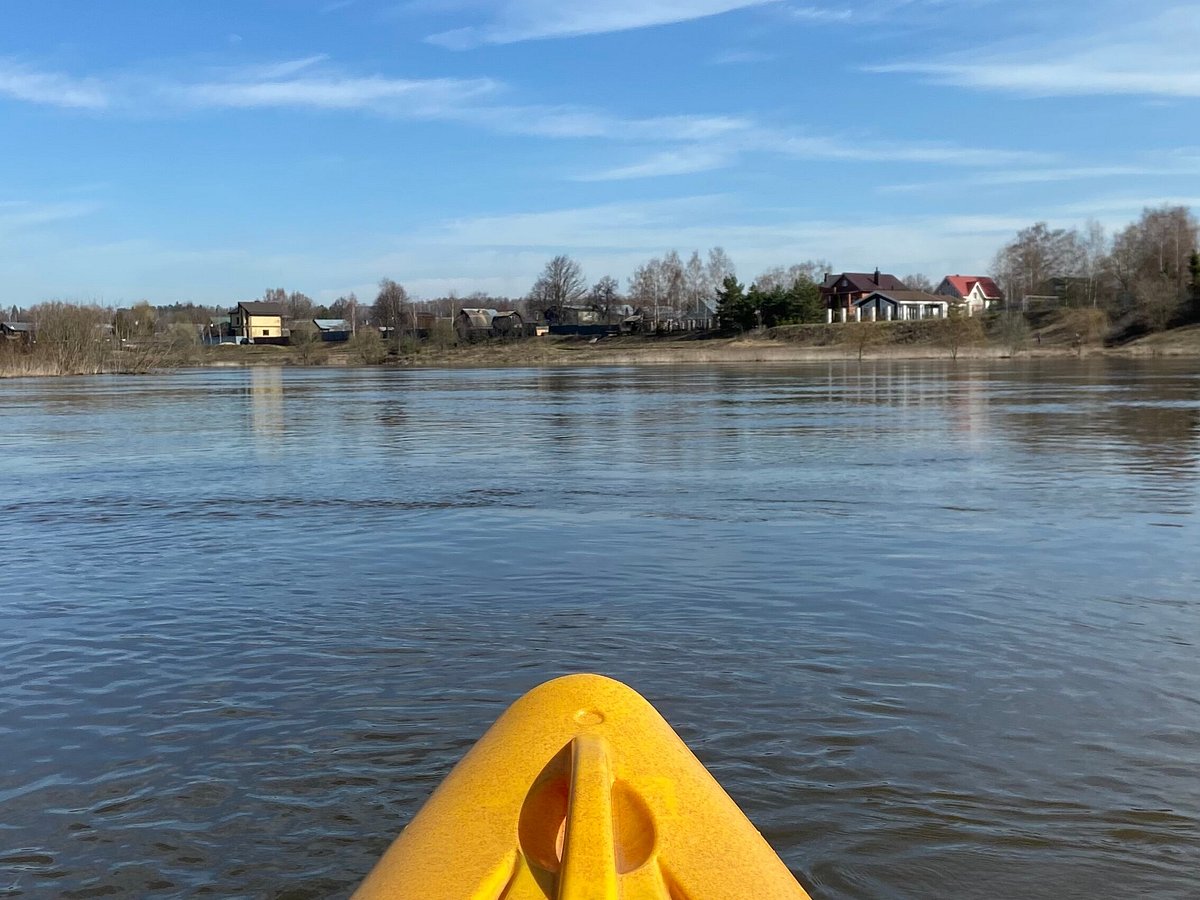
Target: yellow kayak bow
x=580, y=790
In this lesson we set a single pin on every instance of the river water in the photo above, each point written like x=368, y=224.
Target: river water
x=935, y=627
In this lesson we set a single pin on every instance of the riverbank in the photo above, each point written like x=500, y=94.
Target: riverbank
x=791, y=344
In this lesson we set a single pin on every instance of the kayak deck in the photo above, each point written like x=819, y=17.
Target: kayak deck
x=580, y=790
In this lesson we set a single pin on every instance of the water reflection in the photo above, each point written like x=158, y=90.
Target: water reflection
x=265, y=392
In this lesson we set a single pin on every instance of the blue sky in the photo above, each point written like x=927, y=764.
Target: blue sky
x=208, y=150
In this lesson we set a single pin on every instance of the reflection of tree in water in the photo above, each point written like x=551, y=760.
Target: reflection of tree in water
x=1166, y=437
x=1142, y=418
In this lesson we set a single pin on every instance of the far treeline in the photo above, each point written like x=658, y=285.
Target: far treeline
x=1145, y=277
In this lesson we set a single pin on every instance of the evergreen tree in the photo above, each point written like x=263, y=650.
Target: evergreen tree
x=1194, y=271
x=805, y=299
x=775, y=306
x=733, y=306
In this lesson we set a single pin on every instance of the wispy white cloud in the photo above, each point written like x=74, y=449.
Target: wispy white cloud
x=307, y=83
x=526, y=20
x=413, y=97
x=576, y=122
x=1147, y=55
x=922, y=152
x=820, y=14
x=23, y=214
x=21, y=82
x=275, y=70
x=742, y=57
x=1174, y=164
x=752, y=138
x=669, y=162
x=693, y=143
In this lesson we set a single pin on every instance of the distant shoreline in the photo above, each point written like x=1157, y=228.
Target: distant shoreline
x=812, y=344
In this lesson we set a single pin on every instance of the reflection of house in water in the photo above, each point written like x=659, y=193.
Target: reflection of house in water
x=266, y=402
x=969, y=410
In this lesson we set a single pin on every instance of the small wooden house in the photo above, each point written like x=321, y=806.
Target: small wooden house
x=473, y=324
x=508, y=324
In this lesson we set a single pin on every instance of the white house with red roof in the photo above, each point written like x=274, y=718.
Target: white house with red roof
x=978, y=292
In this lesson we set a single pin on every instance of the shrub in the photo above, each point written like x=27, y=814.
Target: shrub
x=367, y=347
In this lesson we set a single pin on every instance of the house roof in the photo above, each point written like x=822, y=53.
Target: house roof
x=262, y=308
x=963, y=284
x=17, y=326
x=478, y=317
x=904, y=297
x=332, y=324
x=864, y=281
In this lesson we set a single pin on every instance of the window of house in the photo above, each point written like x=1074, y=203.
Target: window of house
x=266, y=332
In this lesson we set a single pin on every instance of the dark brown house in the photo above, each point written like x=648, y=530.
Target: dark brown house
x=841, y=291
x=21, y=332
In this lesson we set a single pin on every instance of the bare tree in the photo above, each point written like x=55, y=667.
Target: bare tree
x=697, y=289
x=674, y=278
x=720, y=267
x=1159, y=300
x=560, y=284
x=777, y=277
x=772, y=278
x=605, y=296
x=918, y=282
x=299, y=306
x=345, y=307
x=648, y=287
x=1094, y=244
x=391, y=308
x=1149, y=262
x=1026, y=264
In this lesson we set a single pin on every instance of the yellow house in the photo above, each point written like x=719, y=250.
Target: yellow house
x=257, y=322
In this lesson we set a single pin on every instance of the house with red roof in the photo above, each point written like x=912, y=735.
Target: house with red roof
x=977, y=292
x=842, y=291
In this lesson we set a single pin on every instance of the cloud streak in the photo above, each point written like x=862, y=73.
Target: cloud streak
x=1150, y=56
x=675, y=145
x=530, y=20
x=412, y=97
x=19, y=215
x=728, y=149
x=21, y=82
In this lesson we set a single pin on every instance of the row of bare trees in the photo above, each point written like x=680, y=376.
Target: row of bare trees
x=1150, y=267
x=665, y=282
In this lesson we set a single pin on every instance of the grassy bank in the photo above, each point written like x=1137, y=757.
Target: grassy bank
x=1060, y=333
x=96, y=358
